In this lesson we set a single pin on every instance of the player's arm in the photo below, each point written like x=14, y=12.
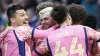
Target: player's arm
x=3, y=34
x=41, y=34
x=92, y=34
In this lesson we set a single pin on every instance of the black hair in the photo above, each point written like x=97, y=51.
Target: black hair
x=59, y=13
x=11, y=12
x=91, y=21
x=77, y=12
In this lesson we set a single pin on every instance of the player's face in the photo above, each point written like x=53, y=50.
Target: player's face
x=21, y=17
x=47, y=22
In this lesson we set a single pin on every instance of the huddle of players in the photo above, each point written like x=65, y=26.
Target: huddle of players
x=61, y=32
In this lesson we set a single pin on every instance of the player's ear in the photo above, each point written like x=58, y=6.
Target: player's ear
x=12, y=20
x=69, y=19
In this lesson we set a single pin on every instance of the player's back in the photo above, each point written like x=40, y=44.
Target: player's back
x=68, y=41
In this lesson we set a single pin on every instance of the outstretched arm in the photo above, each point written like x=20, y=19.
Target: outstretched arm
x=92, y=34
x=41, y=34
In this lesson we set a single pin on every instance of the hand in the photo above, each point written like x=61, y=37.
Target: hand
x=28, y=41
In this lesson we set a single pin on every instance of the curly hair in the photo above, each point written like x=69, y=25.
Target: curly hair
x=77, y=13
x=43, y=5
x=59, y=13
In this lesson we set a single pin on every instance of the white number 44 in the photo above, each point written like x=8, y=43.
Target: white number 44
x=64, y=52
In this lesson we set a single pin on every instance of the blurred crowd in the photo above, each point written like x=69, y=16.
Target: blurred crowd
x=92, y=7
